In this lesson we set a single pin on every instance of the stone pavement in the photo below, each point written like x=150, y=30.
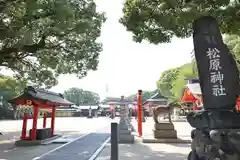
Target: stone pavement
x=9, y=151
x=81, y=149
x=70, y=127
x=183, y=128
x=152, y=151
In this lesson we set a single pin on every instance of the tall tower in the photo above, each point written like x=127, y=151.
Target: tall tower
x=106, y=91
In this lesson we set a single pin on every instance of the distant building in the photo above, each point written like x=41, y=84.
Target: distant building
x=156, y=100
x=114, y=103
x=65, y=111
x=85, y=109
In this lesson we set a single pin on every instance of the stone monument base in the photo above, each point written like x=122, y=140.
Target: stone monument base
x=164, y=133
x=164, y=130
x=90, y=116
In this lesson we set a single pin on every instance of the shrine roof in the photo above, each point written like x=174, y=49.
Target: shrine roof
x=115, y=100
x=157, y=96
x=31, y=93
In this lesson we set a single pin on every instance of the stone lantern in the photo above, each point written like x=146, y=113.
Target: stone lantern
x=125, y=126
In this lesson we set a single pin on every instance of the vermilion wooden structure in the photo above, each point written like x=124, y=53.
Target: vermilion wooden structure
x=37, y=99
x=139, y=102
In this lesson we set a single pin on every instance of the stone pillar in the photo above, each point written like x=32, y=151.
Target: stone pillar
x=143, y=117
x=125, y=126
x=90, y=113
x=163, y=130
x=175, y=114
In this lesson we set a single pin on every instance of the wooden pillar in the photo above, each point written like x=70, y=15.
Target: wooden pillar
x=34, y=125
x=44, y=119
x=140, y=112
x=24, y=127
x=53, y=119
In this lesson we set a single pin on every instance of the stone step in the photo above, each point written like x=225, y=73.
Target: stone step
x=126, y=139
x=164, y=133
x=124, y=132
x=164, y=126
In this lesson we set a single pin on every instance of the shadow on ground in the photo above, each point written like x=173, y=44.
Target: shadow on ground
x=9, y=151
x=139, y=151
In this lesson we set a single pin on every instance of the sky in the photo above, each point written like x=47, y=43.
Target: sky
x=126, y=66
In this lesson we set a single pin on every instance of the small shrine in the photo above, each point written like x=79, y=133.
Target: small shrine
x=113, y=104
x=155, y=101
x=39, y=99
x=192, y=96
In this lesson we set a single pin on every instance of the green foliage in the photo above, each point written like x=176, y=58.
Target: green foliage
x=79, y=96
x=10, y=87
x=172, y=81
x=40, y=39
x=159, y=20
x=145, y=95
x=233, y=43
x=165, y=81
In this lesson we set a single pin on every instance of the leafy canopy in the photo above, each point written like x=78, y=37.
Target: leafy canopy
x=233, y=43
x=10, y=88
x=159, y=20
x=165, y=82
x=80, y=96
x=173, y=81
x=145, y=95
x=40, y=39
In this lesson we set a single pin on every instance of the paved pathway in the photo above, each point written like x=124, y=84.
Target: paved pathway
x=81, y=149
x=152, y=151
x=183, y=128
x=72, y=127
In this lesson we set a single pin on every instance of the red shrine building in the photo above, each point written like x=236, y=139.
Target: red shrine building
x=39, y=99
x=192, y=95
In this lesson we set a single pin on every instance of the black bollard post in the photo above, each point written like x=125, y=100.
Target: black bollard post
x=114, y=141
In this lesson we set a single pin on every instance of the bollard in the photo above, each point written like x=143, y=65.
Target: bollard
x=114, y=141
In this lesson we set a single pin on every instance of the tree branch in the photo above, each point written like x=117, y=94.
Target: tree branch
x=25, y=48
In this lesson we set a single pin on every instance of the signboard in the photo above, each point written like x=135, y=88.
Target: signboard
x=218, y=74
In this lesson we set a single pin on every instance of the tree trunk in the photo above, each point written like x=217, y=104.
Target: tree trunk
x=14, y=111
x=14, y=114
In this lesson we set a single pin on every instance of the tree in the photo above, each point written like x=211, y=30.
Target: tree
x=79, y=96
x=39, y=40
x=9, y=89
x=145, y=95
x=186, y=72
x=172, y=81
x=159, y=20
x=166, y=80
x=233, y=43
